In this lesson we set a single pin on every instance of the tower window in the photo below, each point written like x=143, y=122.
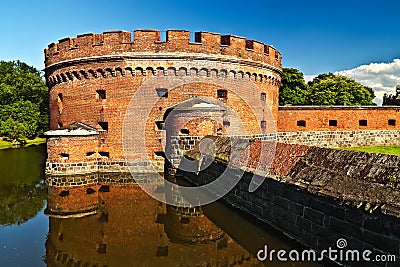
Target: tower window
x=162, y=92
x=90, y=191
x=222, y=94
x=103, y=125
x=162, y=251
x=64, y=156
x=60, y=124
x=64, y=193
x=184, y=131
x=392, y=122
x=101, y=94
x=332, y=122
x=160, y=125
x=363, y=122
x=226, y=123
x=263, y=125
x=301, y=123
x=90, y=154
x=263, y=97
x=60, y=97
x=104, y=154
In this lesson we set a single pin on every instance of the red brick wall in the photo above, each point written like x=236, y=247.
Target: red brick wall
x=76, y=147
x=121, y=76
x=317, y=118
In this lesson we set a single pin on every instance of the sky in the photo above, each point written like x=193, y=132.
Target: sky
x=359, y=39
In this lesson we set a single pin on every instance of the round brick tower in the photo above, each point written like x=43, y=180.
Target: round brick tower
x=94, y=78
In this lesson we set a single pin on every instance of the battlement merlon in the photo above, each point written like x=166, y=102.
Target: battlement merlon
x=119, y=42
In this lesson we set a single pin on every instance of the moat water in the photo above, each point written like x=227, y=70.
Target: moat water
x=129, y=229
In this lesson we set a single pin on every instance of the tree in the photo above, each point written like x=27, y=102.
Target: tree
x=325, y=89
x=331, y=89
x=23, y=101
x=19, y=120
x=294, y=89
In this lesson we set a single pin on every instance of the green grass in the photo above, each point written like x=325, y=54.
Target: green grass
x=36, y=141
x=391, y=150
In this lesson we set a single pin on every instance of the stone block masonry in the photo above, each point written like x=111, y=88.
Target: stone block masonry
x=340, y=138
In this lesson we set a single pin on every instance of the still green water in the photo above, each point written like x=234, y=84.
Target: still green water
x=23, y=226
x=129, y=229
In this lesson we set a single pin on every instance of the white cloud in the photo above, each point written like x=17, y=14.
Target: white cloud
x=382, y=77
x=308, y=78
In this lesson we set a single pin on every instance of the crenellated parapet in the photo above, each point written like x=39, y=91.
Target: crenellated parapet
x=149, y=42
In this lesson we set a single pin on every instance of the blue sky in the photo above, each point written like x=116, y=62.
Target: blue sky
x=313, y=36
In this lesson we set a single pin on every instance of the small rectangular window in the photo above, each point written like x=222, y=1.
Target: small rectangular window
x=184, y=131
x=392, y=122
x=222, y=94
x=363, y=122
x=101, y=94
x=64, y=156
x=162, y=92
x=332, y=122
x=301, y=123
x=60, y=97
x=263, y=97
x=226, y=123
x=160, y=125
x=263, y=125
x=103, y=125
x=266, y=49
x=90, y=154
x=104, y=154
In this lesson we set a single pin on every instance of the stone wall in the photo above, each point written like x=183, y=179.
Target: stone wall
x=111, y=166
x=322, y=196
x=343, y=138
x=333, y=139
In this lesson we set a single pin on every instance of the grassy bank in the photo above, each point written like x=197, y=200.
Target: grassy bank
x=36, y=141
x=391, y=150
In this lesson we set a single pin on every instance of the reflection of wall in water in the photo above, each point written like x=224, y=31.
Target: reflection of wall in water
x=79, y=194
x=132, y=229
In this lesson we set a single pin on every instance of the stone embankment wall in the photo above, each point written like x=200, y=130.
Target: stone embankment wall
x=318, y=138
x=318, y=195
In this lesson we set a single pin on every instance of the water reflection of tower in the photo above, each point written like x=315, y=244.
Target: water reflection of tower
x=129, y=228
x=190, y=225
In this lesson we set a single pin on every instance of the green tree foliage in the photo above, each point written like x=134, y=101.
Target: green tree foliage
x=294, y=89
x=331, y=89
x=325, y=89
x=23, y=101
